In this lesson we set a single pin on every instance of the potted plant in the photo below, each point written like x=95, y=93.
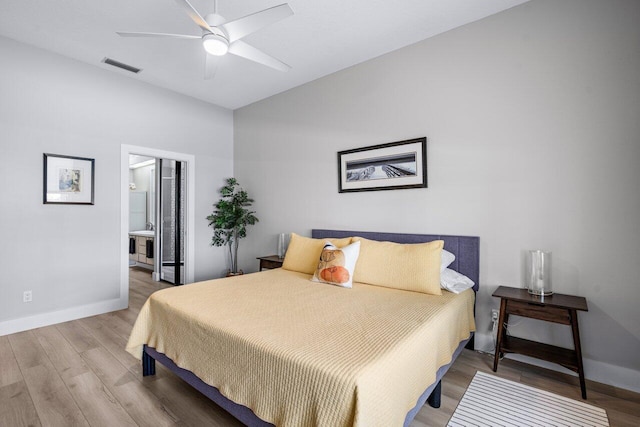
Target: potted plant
x=230, y=220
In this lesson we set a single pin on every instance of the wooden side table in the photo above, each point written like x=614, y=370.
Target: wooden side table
x=270, y=261
x=557, y=308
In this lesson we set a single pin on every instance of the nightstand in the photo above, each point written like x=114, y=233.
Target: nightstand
x=270, y=261
x=556, y=308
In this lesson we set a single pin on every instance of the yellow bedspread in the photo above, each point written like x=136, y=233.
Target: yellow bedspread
x=300, y=353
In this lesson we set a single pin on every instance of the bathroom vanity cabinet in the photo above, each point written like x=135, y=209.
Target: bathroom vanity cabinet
x=142, y=241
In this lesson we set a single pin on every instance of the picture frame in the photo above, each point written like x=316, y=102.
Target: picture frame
x=391, y=166
x=68, y=180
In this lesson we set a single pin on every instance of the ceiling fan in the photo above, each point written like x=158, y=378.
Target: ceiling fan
x=220, y=37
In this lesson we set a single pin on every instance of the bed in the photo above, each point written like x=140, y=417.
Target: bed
x=301, y=353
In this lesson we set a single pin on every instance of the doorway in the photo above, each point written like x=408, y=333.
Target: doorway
x=182, y=248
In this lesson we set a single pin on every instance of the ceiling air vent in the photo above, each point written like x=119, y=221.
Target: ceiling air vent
x=121, y=65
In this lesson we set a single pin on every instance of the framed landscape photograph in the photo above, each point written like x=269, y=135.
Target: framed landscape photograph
x=68, y=180
x=391, y=166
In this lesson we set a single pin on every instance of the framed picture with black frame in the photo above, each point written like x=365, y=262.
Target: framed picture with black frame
x=391, y=166
x=68, y=180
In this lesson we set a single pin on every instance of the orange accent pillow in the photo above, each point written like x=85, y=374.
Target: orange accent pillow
x=336, y=265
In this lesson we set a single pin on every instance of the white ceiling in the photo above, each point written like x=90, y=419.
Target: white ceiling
x=322, y=37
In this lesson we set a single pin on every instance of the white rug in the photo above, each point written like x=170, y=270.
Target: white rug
x=493, y=401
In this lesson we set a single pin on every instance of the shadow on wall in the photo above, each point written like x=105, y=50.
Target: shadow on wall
x=617, y=336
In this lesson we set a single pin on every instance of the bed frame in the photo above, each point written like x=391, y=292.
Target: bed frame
x=467, y=252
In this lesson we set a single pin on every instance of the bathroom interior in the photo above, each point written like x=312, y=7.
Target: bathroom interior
x=156, y=217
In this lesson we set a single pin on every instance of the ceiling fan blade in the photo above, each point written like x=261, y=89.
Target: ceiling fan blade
x=210, y=66
x=241, y=27
x=172, y=36
x=194, y=15
x=249, y=52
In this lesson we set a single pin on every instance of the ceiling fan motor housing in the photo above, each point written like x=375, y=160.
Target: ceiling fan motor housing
x=215, y=43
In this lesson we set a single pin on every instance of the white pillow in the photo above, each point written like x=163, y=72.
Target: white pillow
x=337, y=264
x=446, y=259
x=454, y=282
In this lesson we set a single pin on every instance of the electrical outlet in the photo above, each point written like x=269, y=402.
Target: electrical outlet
x=27, y=296
x=494, y=319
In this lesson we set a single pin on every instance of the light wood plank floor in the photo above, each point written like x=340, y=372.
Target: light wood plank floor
x=78, y=373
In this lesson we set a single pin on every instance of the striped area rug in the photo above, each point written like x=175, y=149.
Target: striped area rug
x=493, y=401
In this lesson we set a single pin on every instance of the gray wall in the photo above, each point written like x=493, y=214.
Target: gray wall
x=69, y=256
x=532, y=119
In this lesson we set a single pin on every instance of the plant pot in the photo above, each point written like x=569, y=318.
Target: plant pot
x=232, y=274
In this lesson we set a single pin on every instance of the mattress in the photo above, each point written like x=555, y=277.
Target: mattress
x=300, y=353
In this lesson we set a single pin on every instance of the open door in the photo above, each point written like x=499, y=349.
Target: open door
x=172, y=204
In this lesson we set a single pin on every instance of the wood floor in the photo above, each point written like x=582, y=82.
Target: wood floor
x=78, y=374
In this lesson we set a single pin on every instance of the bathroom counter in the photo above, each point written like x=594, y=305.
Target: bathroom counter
x=142, y=233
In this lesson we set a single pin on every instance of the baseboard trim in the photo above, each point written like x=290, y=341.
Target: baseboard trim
x=51, y=318
x=594, y=370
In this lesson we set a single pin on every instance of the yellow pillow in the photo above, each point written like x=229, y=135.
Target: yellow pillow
x=410, y=267
x=303, y=253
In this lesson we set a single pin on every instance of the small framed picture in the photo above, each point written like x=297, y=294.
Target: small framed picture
x=391, y=166
x=68, y=180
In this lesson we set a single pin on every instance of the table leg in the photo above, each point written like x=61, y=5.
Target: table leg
x=576, y=344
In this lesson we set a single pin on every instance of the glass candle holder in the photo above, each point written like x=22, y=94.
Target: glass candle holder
x=538, y=272
x=282, y=245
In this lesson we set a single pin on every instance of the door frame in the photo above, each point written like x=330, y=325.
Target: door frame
x=189, y=236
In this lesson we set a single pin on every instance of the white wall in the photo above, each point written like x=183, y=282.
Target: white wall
x=69, y=256
x=532, y=119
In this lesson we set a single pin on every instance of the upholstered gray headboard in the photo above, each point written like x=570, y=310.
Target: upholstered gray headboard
x=465, y=248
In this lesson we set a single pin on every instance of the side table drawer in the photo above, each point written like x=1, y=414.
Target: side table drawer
x=265, y=263
x=270, y=261
x=538, y=311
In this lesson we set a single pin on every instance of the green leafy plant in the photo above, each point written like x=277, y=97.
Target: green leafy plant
x=231, y=218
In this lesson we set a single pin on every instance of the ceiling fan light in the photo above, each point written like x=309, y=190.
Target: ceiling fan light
x=215, y=44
